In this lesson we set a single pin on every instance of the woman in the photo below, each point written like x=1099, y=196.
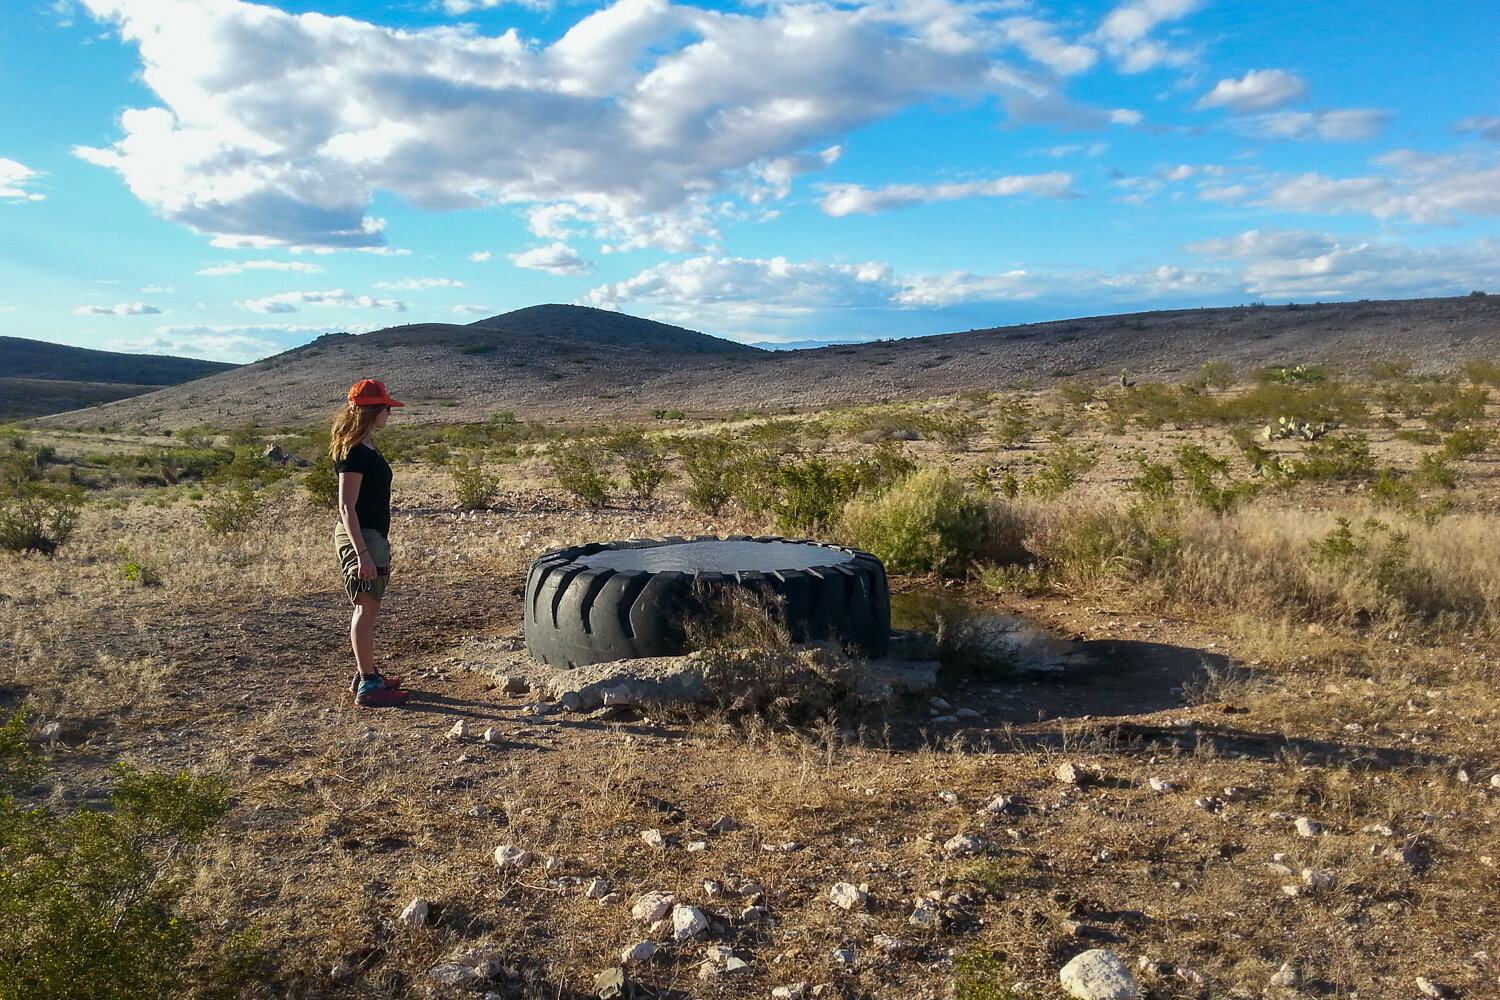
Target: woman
x=361, y=533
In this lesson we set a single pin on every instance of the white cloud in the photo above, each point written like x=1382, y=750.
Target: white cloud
x=120, y=309
x=1416, y=187
x=1487, y=126
x=235, y=344
x=1302, y=264
x=419, y=284
x=555, y=258
x=277, y=128
x=1347, y=125
x=460, y=7
x=14, y=177
x=1038, y=40
x=288, y=302
x=229, y=267
x=761, y=285
x=1257, y=90
x=1125, y=34
x=846, y=199
x=480, y=256
x=471, y=310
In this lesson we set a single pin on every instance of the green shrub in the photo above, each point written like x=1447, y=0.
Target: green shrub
x=37, y=516
x=1090, y=545
x=927, y=522
x=1467, y=442
x=579, y=468
x=138, y=569
x=708, y=463
x=1337, y=458
x=89, y=905
x=1062, y=467
x=1481, y=371
x=1207, y=482
x=1433, y=473
x=475, y=488
x=232, y=509
x=322, y=484
x=644, y=461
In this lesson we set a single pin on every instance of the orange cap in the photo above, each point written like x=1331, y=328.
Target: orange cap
x=371, y=392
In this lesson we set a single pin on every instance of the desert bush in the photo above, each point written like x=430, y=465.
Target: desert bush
x=1013, y=425
x=90, y=902
x=808, y=495
x=1090, y=545
x=135, y=568
x=1316, y=402
x=232, y=509
x=644, y=461
x=1291, y=375
x=709, y=464
x=1467, y=442
x=474, y=488
x=1208, y=480
x=579, y=468
x=1458, y=408
x=201, y=436
x=1214, y=375
x=956, y=430
x=1062, y=466
x=1009, y=579
x=1482, y=371
x=37, y=516
x=1432, y=473
x=1336, y=458
x=321, y=484
x=927, y=522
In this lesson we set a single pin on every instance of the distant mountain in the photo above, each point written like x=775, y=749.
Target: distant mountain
x=20, y=358
x=37, y=377
x=572, y=363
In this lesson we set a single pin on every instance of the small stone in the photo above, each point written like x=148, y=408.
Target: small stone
x=1163, y=785
x=1308, y=827
x=968, y=714
x=653, y=838
x=1379, y=829
x=1098, y=974
x=510, y=856
x=515, y=684
x=611, y=984
x=998, y=805
x=1439, y=991
x=712, y=888
x=843, y=956
x=569, y=701
x=1315, y=879
x=610, y=899
x=1075, y=774
x=1288, y=976
x=887, y=944
x=687, y=921
x=1191, y=976
x=753, y=914
x=1495, y=781
x=254, y=760
x=963, y=845
x=1209, y=804
x=639, y=952
x=792, y=991
x=848, y=896
x=945, y=720
x=696, y=846
x=340, y=972
x=415, y=914
x=597, y=888
x=460, y=730
x=751, y=889
x=452, y=973
x=723, y=825
x=1293, y=891
x=925, y=916
x=492, y=735
x=732, y=964
x=949, y=797
x=940, y=704
x=652, y=906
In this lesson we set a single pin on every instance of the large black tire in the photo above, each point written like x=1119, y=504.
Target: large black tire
x=606, y=601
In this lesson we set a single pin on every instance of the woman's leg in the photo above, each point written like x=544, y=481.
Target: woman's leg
x=362, y=632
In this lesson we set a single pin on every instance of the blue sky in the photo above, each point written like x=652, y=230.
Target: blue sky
x=226, y=180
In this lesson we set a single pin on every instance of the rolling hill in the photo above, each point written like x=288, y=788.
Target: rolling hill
x=571, y=362
x=37, y=377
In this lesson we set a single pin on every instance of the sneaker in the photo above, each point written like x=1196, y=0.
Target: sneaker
x=375, y=693
x=390, y=682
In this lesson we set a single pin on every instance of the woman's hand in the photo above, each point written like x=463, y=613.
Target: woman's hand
x=366, y=565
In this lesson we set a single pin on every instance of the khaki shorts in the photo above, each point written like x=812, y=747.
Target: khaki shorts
x=380, y=551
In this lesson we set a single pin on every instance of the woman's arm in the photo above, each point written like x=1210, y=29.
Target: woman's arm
x=348, y=497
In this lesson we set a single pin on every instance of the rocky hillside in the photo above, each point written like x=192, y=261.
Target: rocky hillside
x=570, y=362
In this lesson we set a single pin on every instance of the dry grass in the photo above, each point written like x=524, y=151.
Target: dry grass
x=1312, y=693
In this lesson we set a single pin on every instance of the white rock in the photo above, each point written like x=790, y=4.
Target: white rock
x=452, y=973
x=1163, y=785
x=843, y=956
x=1433, y=989
x=641, y=951
x=998, y=805
x=723, y=825
x=653, y=838
x=949, y=797
x=696, y=846
x=554, y=862
x=848, y=896
x=484, y=959
x=963, y=844
x=887, y=944
x=652, y=906
x=733, y=964
x=415, y=914
x=1075, y=774
x=1098, y=975
x=1315, y=879
x=570, y=701
x=712, y=888
x=492, y=735
x=460, y=730
x=687, y=922
x=1495, y=781
x=751, y=889
x=1287, y=976
x=968, y=714
x=1308, y=827
x=792, y=991
x=510, y=856
x=621, y=695
x=598, y=888
x=946, y=720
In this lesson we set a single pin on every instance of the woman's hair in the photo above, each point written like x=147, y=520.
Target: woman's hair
x=351, y=425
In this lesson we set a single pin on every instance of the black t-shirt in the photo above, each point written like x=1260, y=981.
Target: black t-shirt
x=374, y=504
